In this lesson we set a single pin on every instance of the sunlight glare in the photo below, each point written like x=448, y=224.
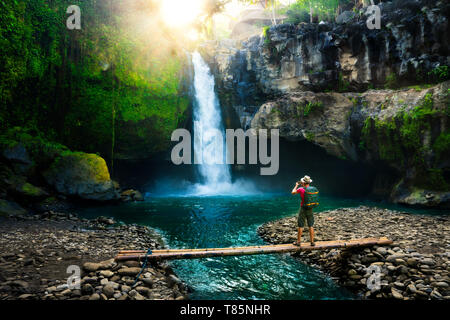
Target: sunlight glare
x=181, y=12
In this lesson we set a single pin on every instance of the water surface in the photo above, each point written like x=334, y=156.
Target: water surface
x=226, y=221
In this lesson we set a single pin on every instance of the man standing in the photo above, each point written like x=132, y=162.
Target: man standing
x=309, y=197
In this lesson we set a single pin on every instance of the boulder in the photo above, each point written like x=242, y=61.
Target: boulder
x=10, y=208
x=27, y=190
x=131, y=195
x=16, y=153
x=82, y=175
x=345, y=17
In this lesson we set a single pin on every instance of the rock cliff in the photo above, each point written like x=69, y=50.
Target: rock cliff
x=377, y=96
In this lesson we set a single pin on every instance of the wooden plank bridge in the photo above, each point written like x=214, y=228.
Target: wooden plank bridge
x=240, y=251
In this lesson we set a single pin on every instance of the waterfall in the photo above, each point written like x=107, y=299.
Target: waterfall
x=209, y=152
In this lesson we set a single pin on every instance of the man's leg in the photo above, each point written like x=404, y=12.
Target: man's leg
x=310, y=218
x=311, y=235
x=299, y=235
x=300, y=225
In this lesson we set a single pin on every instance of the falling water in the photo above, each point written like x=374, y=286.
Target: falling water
x=209, y=144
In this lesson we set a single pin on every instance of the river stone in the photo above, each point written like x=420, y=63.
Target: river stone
x=381, y=250
x=394, y=257
x=87, y=289
x=143, y=290
x=132, y=263
x=125, y=288
x=149, y=282
x=106, y=273
x=107, y=264
x=412, y=262
x=124, y=296
x=352, y=272
x=108, y=290
x=442, y=284
x=136, y=295
x=396, y=293
x=133, y=271
x=412, y=288
x=94, y=297
x=428, y=261
x=91, y=266
x=436, y=295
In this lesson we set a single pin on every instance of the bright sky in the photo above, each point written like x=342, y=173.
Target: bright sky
x=182, y=13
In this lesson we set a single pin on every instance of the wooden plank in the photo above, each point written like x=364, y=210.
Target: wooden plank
x=239, y=251
x=124, y=252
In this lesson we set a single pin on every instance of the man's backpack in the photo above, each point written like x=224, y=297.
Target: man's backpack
x=311, y=197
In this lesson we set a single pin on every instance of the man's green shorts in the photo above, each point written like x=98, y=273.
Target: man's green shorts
x=305, y=214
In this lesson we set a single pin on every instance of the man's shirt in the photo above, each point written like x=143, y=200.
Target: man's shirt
x=301, y=190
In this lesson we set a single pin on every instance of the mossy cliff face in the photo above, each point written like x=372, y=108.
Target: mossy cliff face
x=405, y=130
x=32, y=168
x=409, y=131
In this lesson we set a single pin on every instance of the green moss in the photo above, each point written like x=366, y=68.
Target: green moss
x=391, y=81
x=311, y=107
x=362, y=145
x=343, y=85
x=435, y=180
x=440, y=73
x=441, y=145
x=31, y=191
x=265, y=30
x=310, y=136
x=398, y=141
x=420, y=87
x=39, y=148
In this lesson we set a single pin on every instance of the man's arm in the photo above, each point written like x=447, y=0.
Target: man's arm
x=294, y=191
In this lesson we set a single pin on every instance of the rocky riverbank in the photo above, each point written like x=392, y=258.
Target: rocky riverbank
x=36, y=251
x=415, y=266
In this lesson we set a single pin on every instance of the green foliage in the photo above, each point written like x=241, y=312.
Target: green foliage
x=78, y=86
x=440, y=73
x=310, y=136
x=420, y=87
x=391, y=81
x=311, y=107
x=39, y=148
x=322, y=10
x=441, y=145
x=266, y=35
x=343, y=85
